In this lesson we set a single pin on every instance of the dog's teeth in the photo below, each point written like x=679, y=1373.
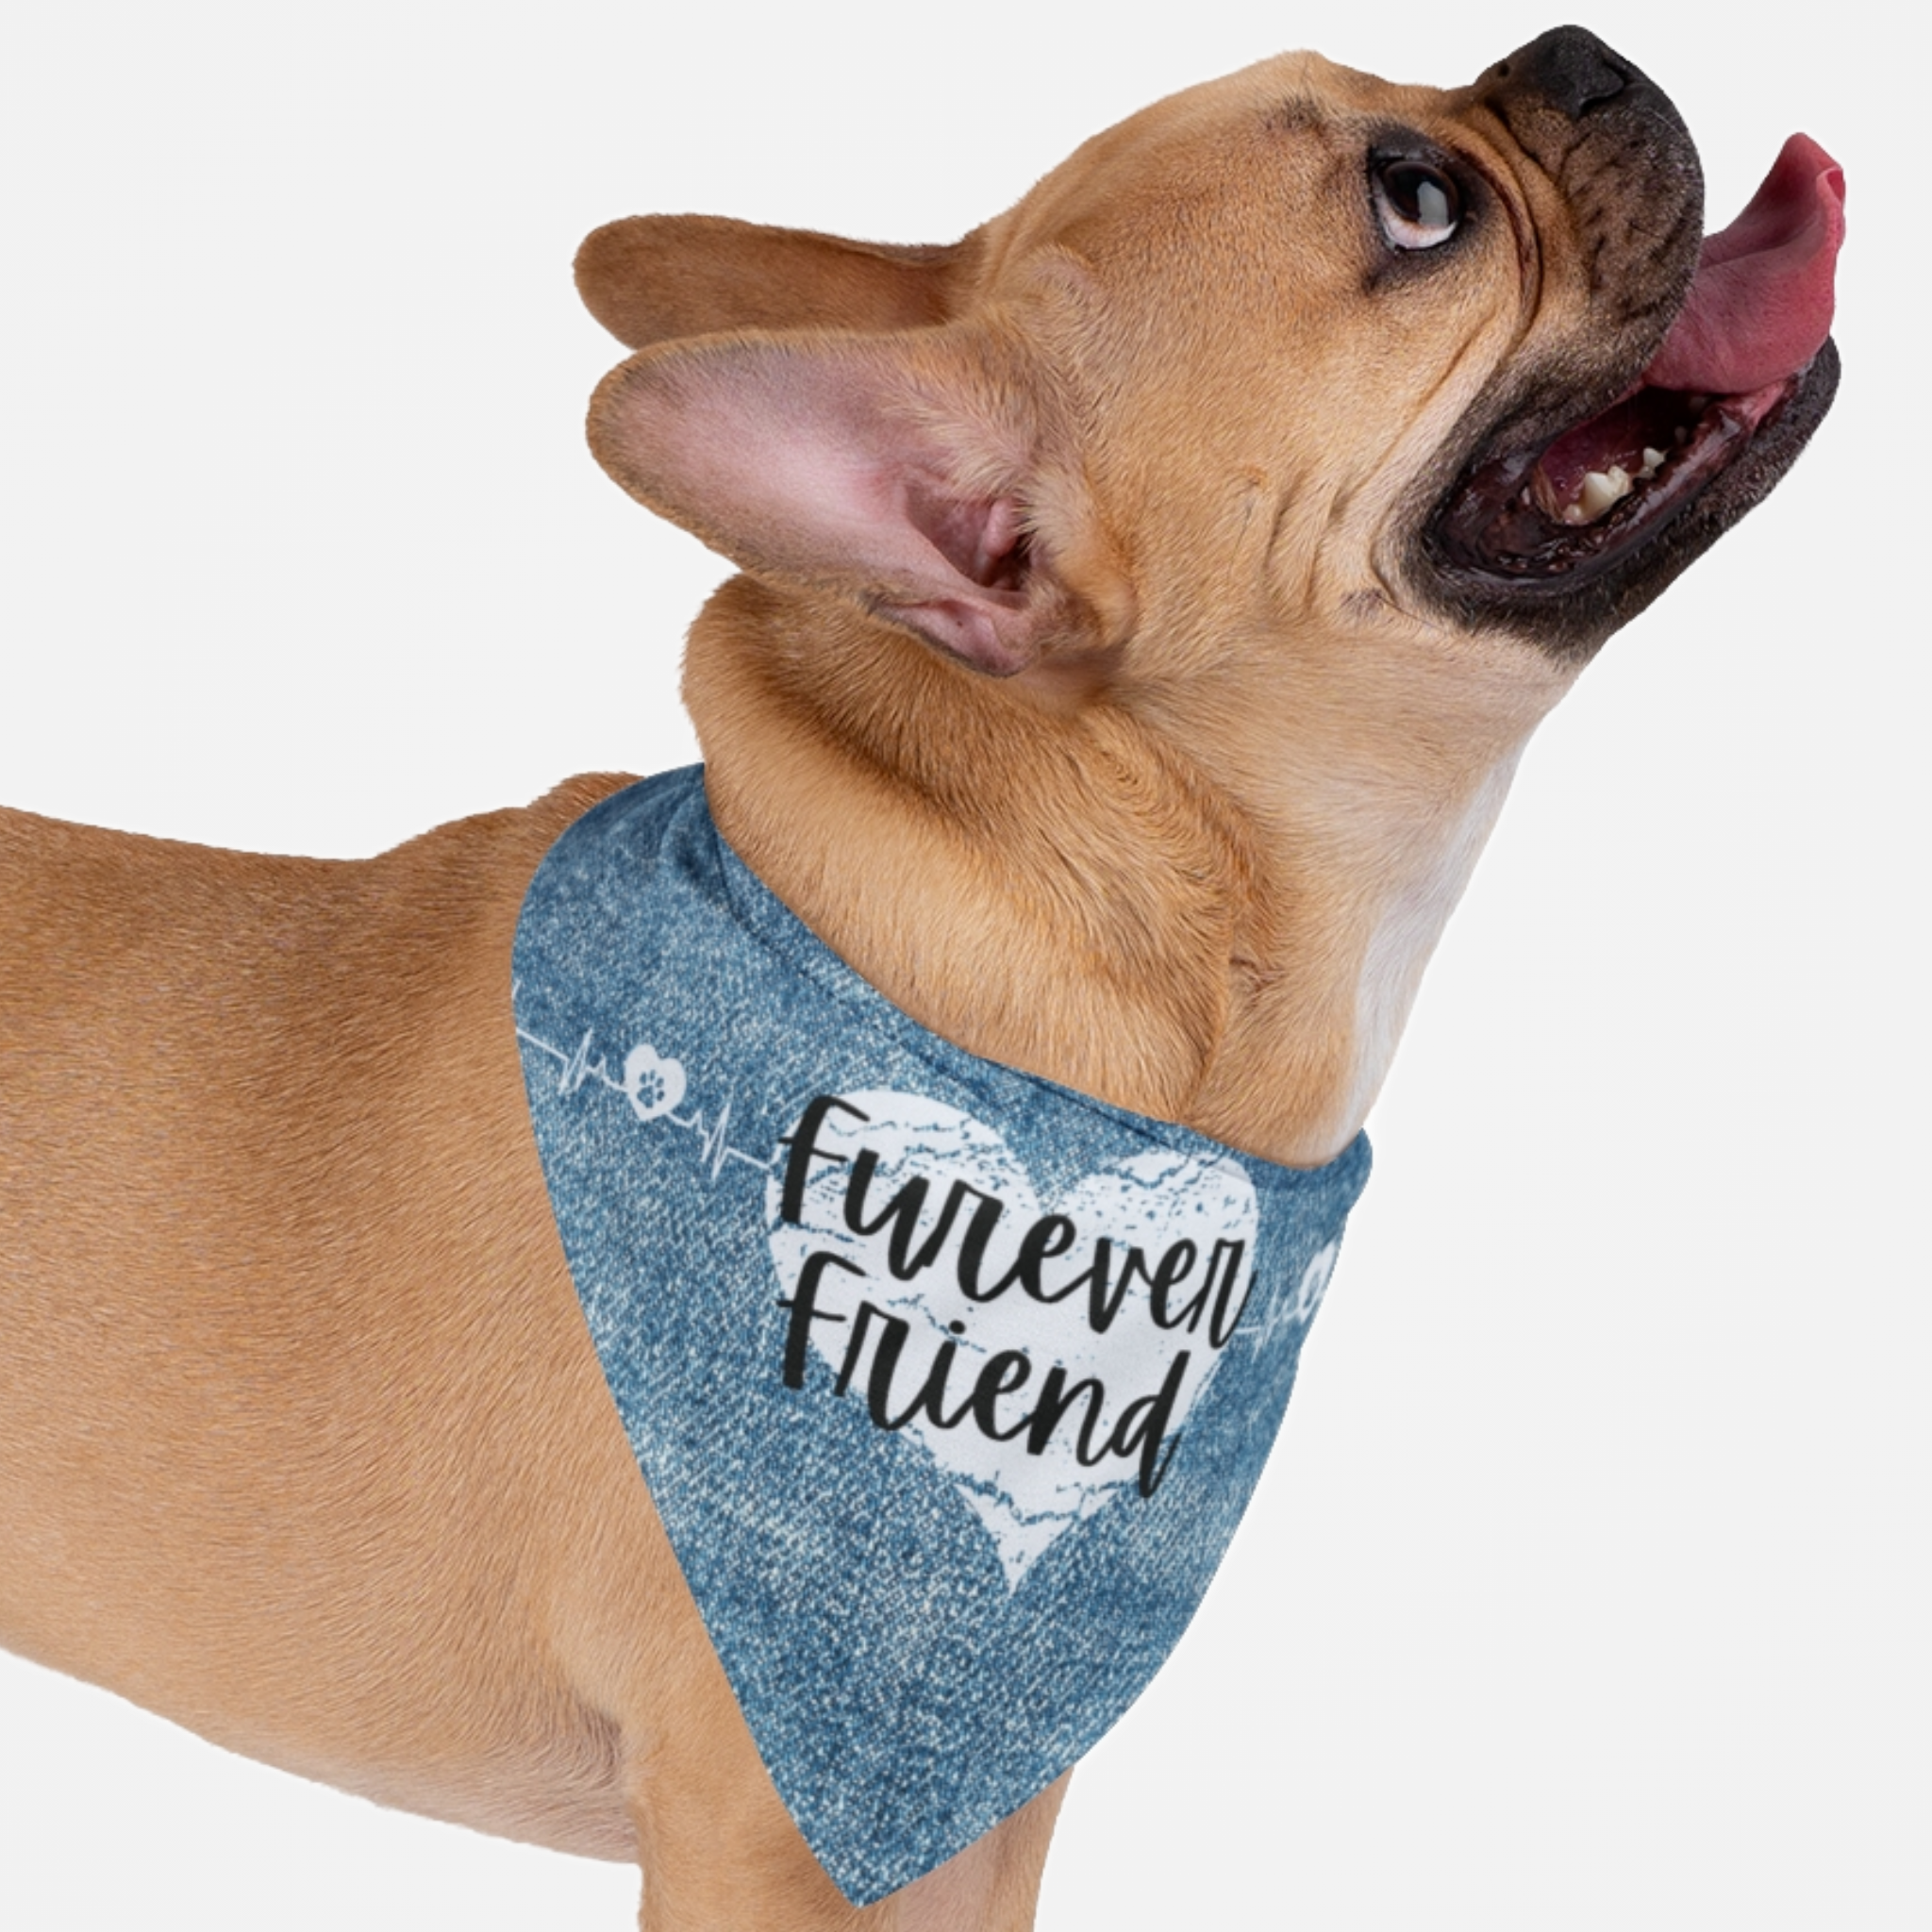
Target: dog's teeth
x=1652, y=462
x=1601, y=488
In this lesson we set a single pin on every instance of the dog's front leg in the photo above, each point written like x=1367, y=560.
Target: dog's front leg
x=993, y=1885
x=720, y=1854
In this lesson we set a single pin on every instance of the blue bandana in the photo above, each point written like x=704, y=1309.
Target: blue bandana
x=950, y=1384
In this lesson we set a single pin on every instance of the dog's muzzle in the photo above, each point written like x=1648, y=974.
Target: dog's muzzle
x=1590, y=477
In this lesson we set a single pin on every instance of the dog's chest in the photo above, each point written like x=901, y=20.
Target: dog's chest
x=950, y=1385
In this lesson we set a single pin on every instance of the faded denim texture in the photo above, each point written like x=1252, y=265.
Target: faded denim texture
x=950, y=1384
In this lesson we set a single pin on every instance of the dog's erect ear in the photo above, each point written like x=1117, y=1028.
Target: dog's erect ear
x=653, y=278
x=913, y=472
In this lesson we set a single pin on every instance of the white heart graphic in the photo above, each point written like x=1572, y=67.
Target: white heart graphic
x=652, y=1084
x=998, y=1384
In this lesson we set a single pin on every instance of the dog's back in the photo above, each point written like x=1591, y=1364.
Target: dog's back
x=226, y=1216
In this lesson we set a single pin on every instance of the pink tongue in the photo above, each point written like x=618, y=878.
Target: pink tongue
x=1760, y=305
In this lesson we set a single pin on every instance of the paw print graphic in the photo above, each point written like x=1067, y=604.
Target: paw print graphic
x=652, y=1085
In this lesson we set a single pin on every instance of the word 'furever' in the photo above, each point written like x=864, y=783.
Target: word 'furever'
x=934, y=1248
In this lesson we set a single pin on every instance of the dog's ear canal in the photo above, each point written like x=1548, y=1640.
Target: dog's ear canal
x=912, y=473
x=652, y=278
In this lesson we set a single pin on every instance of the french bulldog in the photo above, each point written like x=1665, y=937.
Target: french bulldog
x=1143, y=604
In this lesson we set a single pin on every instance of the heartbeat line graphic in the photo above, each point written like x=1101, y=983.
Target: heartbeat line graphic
x=652, y=1084
x=1295, y=1309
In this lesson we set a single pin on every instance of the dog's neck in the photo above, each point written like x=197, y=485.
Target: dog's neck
x=1197, y=900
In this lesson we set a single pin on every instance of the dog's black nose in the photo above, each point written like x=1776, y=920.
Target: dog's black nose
x=1568, y=78
x=1567, y=68
x=1618, y=153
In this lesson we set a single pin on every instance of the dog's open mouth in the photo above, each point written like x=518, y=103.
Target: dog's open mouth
x=1750, y=341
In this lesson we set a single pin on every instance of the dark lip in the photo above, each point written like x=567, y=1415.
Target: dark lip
x=1488, y=553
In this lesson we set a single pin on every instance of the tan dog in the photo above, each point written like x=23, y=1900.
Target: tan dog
x=1250, y=454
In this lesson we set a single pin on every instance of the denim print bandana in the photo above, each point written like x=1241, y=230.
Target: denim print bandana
x=950, y=1384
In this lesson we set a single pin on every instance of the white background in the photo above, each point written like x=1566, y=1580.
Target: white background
x=1587, y=1590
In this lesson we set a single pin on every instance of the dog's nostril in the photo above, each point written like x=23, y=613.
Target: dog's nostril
x=1569, y=67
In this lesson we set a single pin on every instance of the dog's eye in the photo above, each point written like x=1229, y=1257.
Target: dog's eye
x=1419, y=206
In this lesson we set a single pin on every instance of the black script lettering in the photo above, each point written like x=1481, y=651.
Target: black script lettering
x=1173, y=1269
x=973, y=1243
x=803, y=1142
x=885, y=1364
x=902, y=1213
x=885, y=1360
x=891, y=1346
x=1006, y=1371
x=1056, y=1398
x=1102, y=1301
x=855, y=1344
x=805, y=1311
x=1143, y=1423
x=931, y=1396
x=1227, y=1257
x=1051, y=1235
